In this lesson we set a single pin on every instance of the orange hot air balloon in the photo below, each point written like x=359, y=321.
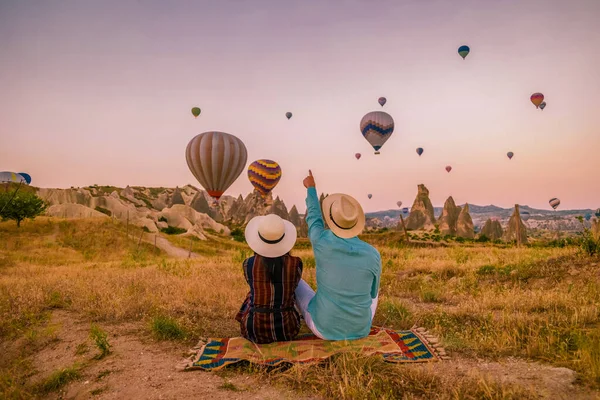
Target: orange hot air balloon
x=537, y=99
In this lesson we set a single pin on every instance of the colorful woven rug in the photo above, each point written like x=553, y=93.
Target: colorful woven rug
x=414, y=345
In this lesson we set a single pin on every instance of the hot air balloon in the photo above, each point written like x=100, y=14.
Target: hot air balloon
x=554, y=203
x=288, y=115
x=597, y=213
x=525, y=215
x=419, y=151
x=357, y=155
x=369, y=196
x=216, y=159
x=510, y=155
x=195, y=112
x=588, y=217
x=543, y=105
x=27, y=177
x=264, y=175
x=377, y=127
x=11, y=177
x=399, y=203
x=448, y=168
x=382, y=101
x=405, y=211
x=464, y=51
x=537, y=99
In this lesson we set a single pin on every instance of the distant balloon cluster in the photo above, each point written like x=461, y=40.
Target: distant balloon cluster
x=217, y=159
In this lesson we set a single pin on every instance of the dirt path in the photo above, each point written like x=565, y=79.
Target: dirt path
x=137, y=368
x=166, y=246
x=142, y=368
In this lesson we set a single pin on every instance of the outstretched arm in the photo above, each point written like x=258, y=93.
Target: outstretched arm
x=314, y=219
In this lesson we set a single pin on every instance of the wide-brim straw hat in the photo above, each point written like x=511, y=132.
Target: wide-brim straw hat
x=344, y=215
x=270, y=235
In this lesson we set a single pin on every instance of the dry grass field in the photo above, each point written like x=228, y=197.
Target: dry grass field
x=87, y=312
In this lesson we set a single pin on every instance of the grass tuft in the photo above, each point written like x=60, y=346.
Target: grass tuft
x=58, y=379
x=165, y=328
x=100, y=338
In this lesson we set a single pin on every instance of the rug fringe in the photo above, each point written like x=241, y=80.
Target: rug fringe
x=432, y=341
x=188, y=362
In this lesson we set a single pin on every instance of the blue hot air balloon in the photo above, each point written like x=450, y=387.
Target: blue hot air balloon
x=405, y=211
x=588, y=217
x=419, y=151
x=26, y=176
x=597, y=213
x=525, y=215
x=464, y=51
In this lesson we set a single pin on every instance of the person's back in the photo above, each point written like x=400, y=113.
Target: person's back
x=268, y=314
x=348, y=272
x=348, y=269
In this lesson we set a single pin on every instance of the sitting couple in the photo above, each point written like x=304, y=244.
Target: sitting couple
x=348, y=272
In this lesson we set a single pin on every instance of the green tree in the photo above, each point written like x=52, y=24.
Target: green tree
x=22, y=205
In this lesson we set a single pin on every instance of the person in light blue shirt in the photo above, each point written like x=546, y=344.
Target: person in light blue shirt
x=348, y=269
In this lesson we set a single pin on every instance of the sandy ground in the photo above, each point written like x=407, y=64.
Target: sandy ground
x=137, y=368
x=142, y=368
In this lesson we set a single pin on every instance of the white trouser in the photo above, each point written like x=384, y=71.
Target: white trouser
x=304, y=294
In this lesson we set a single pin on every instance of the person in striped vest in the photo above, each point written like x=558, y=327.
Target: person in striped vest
x=268, y=314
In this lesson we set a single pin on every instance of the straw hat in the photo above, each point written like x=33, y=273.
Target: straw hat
x=344, y=215
x=270, y=236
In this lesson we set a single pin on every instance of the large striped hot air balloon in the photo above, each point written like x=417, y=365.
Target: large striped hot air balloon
x=11, y=177
x=464, y=51
x=537, y=99
x=264, y=175
x=216, y=159
x=382, y=101
x=554, y=203
x=377, y=127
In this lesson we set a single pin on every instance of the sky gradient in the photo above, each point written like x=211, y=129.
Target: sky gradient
x=100, y=92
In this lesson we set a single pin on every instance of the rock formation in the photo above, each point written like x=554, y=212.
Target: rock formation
x=492, y=229
x=176, y=198
x=515, y=227
x=185, y=217
x=200, y=204
x=464, y=225
x=294, y=217
x=421, y=213
x=449, y=218
x=278, y=208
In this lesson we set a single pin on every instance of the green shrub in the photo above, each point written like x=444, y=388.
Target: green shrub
x=171, y=230
x=238, y=235
x=162, y=219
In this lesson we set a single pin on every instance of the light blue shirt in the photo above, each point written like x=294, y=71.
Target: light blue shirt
x=348, y=273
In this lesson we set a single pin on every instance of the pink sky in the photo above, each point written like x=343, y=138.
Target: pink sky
x=99, y=92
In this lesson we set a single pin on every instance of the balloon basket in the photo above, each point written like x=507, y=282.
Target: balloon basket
x=377, y=152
